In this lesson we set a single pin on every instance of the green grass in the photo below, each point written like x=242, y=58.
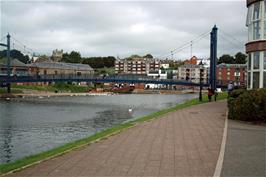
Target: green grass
x=4, y=168
x=53, y=88
x=109, y=71
x=4, y=90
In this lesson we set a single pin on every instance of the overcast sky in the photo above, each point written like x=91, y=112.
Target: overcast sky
x=124, y=28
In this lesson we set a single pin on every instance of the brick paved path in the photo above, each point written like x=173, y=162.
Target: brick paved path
x=183, y=143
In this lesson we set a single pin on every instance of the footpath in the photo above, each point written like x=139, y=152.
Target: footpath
x=245, y=150
x=187, y=142
x=182, y=143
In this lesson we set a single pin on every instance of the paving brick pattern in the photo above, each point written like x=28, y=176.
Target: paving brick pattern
x=182, y=143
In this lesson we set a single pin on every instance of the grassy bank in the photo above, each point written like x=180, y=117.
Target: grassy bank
x=58, y=87
x=70, y=146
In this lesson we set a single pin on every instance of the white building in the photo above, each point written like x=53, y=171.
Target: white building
x=192, y=73
x=256, y=46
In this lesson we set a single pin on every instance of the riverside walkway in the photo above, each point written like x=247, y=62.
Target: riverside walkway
x=182, y=143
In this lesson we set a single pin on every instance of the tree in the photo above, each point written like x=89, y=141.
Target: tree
x=65, y=58
x=226, y=59
x=148, y=56
x=100, y=62
x=17, y=55
x=109, y=61
x=240, y=58
x=73, y=57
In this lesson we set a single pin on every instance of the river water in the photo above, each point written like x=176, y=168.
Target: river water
x=33, y=125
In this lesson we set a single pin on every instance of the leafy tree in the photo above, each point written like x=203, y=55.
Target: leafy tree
x=73, y=57
x=17, y=55
x=109, y=61
x=240, y=58
x=226, y=59
x=65, y=58
x=148, y=56
x=100, y=62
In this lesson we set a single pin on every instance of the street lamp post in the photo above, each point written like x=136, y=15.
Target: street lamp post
x=200, y=92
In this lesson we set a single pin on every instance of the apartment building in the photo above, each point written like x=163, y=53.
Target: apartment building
x=136, y=66
x=191, y=73
x=235, y=73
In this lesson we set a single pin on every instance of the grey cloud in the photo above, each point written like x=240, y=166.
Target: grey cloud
x=124, y=28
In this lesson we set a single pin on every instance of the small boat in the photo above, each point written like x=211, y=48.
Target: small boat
x=126, y=89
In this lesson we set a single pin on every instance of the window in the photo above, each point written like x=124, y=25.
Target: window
x=249, y=16
x=264, y=79
x=256, y=60
x=256, y=12
x=256, y=79
x=264, y=61
x=256, y=30
x=249, y=78
x=264, y=19
x=249, y=62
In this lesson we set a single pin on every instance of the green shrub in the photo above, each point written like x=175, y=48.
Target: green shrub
x=248, y=105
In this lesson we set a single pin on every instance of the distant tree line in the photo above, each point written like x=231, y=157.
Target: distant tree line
x=16, y=54
x=239, y=58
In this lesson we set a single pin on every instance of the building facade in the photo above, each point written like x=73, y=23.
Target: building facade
x=140, y=66
x=235, y=73
x=256, y=46
x=60, y=68
x=192, y=73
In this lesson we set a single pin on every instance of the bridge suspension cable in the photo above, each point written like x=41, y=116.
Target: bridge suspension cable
x=229, y=41
x=230, y=36
x=188, y=44
x=185, y=45
x=23, y=47
x=2, y=38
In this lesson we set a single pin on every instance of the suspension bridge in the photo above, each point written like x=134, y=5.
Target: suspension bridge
x=8, y=78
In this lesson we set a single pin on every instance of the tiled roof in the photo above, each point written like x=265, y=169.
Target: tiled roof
x=13, y=62
x=61, y=65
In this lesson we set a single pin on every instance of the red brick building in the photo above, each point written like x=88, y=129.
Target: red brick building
x=235, y=73
x=191, y=61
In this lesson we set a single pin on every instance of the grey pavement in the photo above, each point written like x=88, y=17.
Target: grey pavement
x=245, y=150
x=182, y=143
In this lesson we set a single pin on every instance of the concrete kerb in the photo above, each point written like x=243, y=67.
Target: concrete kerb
x=220, y=160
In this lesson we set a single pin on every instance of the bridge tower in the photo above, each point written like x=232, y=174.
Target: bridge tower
x=8, y=63
x=7, y=45
x=213, y=58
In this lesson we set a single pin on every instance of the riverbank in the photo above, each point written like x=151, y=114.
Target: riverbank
x=22, y=93
x=70, y=146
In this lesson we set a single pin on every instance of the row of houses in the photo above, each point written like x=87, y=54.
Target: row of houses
x=190, y=71
x=45, y=68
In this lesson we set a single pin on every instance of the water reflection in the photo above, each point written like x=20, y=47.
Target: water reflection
x=31, y=125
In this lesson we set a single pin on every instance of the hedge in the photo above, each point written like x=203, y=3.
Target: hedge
x=248, y=105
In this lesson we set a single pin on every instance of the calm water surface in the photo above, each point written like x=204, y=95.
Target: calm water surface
x=32, y=125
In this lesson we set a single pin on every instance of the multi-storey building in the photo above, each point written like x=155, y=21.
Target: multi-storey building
x=256, y=46
x=192, y=73
x=235, y=73
x=136, y=66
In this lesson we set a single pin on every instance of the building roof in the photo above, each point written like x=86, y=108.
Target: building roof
x=224, y=65
x=13, y=62
x=190, y=66
x=61, y=65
